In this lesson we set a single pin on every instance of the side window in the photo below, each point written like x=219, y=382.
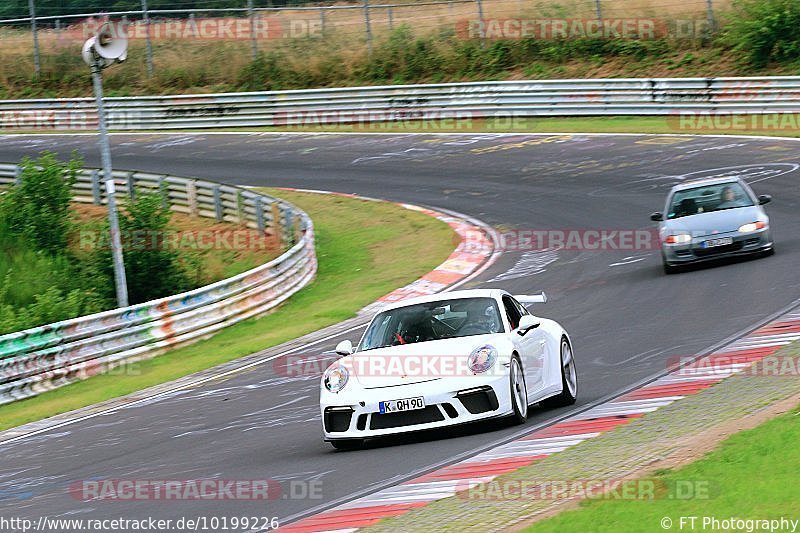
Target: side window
x=512, y=312
x=521, y=308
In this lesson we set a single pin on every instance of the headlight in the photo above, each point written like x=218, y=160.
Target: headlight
x=482, y=358
x=752, y=226
x=681, y=238
x=335, y=378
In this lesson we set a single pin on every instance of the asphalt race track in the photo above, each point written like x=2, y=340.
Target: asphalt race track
x=625, y=316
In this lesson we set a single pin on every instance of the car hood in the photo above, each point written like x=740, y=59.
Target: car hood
x=715, y=222
x=416, y=362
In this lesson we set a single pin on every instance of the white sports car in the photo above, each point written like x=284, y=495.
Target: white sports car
x=443, y=360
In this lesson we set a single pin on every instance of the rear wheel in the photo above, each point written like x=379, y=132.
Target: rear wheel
x=519, y=394
x=569, y=379
x=347, y=444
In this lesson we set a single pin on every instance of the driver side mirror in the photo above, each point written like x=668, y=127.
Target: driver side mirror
x=657, y=216
x=527, y=323
x=344, y=348
x=764, y=199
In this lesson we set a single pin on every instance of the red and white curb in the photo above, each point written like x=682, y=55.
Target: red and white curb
x=483, y=467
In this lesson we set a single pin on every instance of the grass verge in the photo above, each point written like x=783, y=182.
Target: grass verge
x=365, y=249
x=749, y=476
x=780, y=125
x=773, y=125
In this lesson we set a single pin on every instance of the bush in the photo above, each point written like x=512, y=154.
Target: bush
x=152, y=271
x=765, y=30
x=37, y=209
x=52, y=305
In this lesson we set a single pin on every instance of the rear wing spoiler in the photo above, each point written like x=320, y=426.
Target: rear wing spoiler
x=529, y=299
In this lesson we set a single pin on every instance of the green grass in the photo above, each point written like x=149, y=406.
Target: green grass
x=365, y=250
x=786, y=125
x=752, y=475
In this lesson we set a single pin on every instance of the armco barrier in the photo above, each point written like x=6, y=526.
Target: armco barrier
x=50, y=356
x=656, y=96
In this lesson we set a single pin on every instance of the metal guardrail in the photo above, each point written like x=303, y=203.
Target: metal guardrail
x=464, y=101
x=46, y=357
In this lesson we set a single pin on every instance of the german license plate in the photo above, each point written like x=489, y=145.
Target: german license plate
x=407, y=404
x=722, y=241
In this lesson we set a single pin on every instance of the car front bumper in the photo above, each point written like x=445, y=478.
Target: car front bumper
x=448, y=402
x=694, y=252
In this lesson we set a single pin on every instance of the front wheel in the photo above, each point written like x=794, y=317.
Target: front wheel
x=569, y=379
x=519, y=394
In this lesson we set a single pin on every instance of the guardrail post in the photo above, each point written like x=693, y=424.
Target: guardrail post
x=193, y=25
x=481, y=22
x=253, y=42
x=218, y=204
x=191, y=197
x=277, y=223
x=96, y=194
x=163, y=190
x=37, y=63
x=710, y=14
x=148, y=43
x=367, y=27
x=131, y=187
x=598, y=10
x=17, y=175
x=259, y=205
x=288, y=226
x=239, y=208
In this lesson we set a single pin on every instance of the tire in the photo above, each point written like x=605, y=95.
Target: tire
x=519, y=393
x=569, y=379
x=347, y=444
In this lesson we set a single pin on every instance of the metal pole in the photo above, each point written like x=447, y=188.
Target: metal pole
x=148, y=44
x=113, y=222
x=712, y=24
x=367, y=27
x=322, y=19
x=253, y=41
x=37, y=63
x=391, y=22
x=599, y=10
x=481, y=22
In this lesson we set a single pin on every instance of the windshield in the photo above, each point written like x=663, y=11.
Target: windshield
x=708, y=198
x=444, y=319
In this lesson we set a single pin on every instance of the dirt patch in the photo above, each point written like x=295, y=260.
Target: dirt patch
x=215, y=250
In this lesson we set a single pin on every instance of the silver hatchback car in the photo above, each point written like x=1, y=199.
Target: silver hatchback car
x=711, y=218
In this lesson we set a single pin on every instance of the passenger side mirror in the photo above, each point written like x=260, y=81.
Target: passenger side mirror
x=527, y=323
x=344, y=348
x=657, y=217
x=764, y=199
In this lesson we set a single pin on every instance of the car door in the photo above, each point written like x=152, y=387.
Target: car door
x=531, y=346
